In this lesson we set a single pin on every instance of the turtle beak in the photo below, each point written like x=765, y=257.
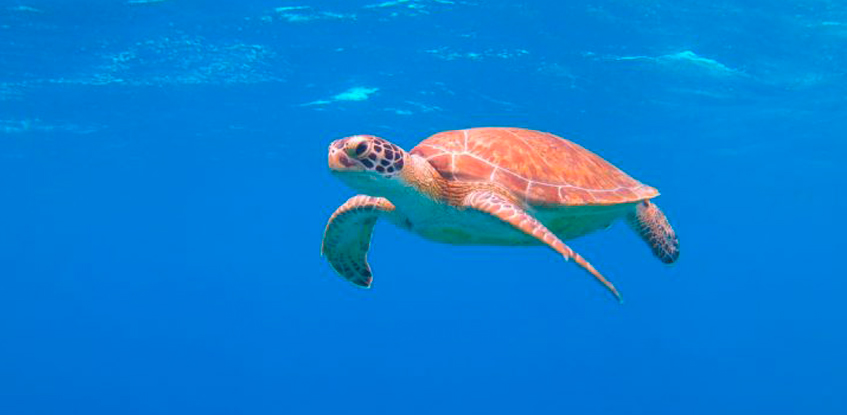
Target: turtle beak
x=338, y=160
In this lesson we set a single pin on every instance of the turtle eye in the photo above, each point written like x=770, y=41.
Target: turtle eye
x=360, y=149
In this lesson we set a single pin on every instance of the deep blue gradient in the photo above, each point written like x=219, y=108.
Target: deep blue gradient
x=163, y=192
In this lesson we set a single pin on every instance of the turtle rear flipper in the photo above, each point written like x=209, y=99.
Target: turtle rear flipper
x=648, y=221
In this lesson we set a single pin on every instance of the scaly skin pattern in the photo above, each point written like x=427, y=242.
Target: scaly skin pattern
x=347, y=237
x=539, y=168
x=503, y=209
x=651, y=224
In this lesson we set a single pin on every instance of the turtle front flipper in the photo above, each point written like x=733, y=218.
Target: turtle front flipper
x=502, y=208
x=347, y=237
x=648, y=221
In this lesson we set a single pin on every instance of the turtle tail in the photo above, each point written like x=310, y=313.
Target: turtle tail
x=648, y=221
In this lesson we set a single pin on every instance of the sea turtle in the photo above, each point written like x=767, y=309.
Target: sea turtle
x=487, y=186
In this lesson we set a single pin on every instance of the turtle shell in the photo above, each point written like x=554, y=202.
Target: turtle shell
x=538, y=167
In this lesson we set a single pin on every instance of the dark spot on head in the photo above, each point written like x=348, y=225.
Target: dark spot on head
x=390, y=169
x=399, y=164
x=380, y=169
x=372, y=156
x=384, y=162
x=367, y=163
x=389, y=154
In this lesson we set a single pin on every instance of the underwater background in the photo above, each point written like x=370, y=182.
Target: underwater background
x=164, y=189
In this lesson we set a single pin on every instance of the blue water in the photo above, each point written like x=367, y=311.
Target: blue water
x=163, y=192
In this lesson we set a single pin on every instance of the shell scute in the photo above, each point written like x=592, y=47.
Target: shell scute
x=444, y=164
x=470, y=168
x=539, y=191
x=510, y=180
x=577, y=196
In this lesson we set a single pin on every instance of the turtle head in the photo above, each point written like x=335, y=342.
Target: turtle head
x=366, y=162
